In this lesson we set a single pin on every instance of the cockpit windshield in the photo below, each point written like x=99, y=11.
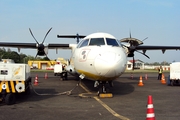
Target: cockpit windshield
x=99, y=42
x=112, y=42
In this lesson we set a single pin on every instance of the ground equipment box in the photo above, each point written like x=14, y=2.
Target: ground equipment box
x=14, y=78
x=174, y=78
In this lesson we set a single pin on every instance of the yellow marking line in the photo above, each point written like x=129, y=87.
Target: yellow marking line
x=106, y=106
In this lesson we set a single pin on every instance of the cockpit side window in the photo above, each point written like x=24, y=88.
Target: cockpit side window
x=84, y=43
x=97, y=41
x=112, y=42
x=79, y=43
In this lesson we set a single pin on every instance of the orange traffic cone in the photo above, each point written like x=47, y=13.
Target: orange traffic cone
x=146, y=76
x=163, y=81
x=150, y=109
x=36, y=80
x=46, y=76
x=140, y=81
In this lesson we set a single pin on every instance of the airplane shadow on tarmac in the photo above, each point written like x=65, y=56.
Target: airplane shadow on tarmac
x=119, y=88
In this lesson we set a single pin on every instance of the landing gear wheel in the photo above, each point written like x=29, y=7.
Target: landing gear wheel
x=10, y=99
x=104, y=92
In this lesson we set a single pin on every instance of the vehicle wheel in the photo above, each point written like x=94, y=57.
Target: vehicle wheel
x=10, y=99
x=27, y=91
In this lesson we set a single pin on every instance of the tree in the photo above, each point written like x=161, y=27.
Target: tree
x=23, y=58
x=45, y=58
x=14, y=56
x=11, y=55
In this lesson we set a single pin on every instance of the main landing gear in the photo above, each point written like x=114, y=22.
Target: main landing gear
x=104, y=91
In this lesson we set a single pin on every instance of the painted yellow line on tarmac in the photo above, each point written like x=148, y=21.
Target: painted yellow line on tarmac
x=106, y=106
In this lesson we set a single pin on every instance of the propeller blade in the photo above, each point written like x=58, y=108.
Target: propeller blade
x=130, y=34
x=36, y=56
x=145, y=39
x=33, y=36
x=48, y=59
x=46, y=35
x=143, y=54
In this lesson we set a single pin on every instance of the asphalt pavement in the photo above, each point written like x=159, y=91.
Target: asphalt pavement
x=56, y=99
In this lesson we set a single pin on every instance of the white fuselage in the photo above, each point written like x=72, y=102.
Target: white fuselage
x=102, y=63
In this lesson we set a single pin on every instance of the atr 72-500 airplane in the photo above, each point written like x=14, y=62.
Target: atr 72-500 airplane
x=99, y=56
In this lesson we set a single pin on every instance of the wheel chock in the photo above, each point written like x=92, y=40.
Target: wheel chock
x=105, y=95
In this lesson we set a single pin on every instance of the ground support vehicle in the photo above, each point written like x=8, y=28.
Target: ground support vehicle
x=59, y=70
x=14, y=79
x=174, y=78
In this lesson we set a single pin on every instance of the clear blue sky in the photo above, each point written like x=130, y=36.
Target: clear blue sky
x=156, y=19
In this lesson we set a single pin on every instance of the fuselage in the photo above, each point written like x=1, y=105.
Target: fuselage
x=99, y=56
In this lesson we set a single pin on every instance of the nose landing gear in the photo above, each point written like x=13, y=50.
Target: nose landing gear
x=104, y=91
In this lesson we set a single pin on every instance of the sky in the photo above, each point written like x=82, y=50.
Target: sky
x=156, y=19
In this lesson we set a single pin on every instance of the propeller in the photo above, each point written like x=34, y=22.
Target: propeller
x=40, y=46
x=133, y=43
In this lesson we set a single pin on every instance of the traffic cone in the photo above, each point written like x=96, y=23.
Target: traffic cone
x=146, y=76
x=150, y=109
x=140, y=81
x=36, y=80
x=46, y=76
x=163, y=81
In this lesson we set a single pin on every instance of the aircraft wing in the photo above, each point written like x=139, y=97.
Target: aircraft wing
x=135, y=44
x=41, y=47
x=131, y=49
x=18, y=45
x=151, y=47
x=148, y=47
x=34, y=45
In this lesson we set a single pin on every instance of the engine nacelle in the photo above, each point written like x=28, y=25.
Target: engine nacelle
x=70, y=69
x=131, y=55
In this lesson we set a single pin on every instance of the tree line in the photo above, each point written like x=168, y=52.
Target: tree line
x=18, y=58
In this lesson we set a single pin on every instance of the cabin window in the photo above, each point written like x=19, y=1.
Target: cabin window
x=97, y=41
x=112, y=42
x=83, y=43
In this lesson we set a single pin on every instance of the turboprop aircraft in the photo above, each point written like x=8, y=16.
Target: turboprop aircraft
x=99, y=56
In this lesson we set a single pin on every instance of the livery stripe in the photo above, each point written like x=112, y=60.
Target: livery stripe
x=12, y=86
x=1, y=86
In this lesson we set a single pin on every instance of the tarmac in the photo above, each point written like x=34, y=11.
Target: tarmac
x=55, y=99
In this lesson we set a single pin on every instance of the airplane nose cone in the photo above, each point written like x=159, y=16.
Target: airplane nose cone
x=110, y=64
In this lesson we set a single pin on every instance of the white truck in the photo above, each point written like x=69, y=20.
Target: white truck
x=174, y=78
x=59, y=70
x=14, y=78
